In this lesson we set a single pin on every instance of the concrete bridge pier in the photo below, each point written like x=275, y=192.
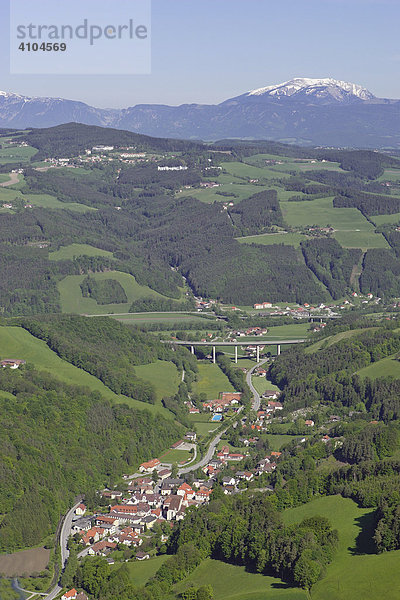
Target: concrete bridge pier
x=213, y=354
x=258, y=354
x=278, y=349
x=236, y=354
x=192, y=349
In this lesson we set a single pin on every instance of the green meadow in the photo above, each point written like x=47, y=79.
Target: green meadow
x=387, y=367
x=15, y=154
x=16, y=342
x=42, y=200
x=360, y=239
x=73, y=250
x=72, y=300
x=268, y=239
x=386, y=219
x=211, y=380
x=322, y=213
x=141, y=571
x=262, y=384
x=355, y=572
x=163, y=375
x=230, y=582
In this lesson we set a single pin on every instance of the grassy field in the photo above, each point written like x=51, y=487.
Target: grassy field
x=173, y=318
x=360, y=239
x=387, y=367
x=211, y=381
x=287, y=332
x=333, y=339
x=16, y=342
x=203, y=424
x=230, y=582
x=72, y=300
x=239, y=191
x=163, y=375
x=321, y=212
x=175, y=456
x=69, y=252
x=385, y=219
x=277, y=441
x=267, y=239
x=13, y=154
x=141, y=571
x=354, y=573
x=262, y=383
x=43, y=200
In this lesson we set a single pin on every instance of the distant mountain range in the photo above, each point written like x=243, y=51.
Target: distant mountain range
x=323, y=112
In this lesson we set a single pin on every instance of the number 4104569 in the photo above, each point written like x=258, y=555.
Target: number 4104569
x=44, y=47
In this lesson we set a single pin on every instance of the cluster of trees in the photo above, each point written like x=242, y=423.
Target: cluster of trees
x=59, y=441
x=103, y=347
x=248, y=530
x=368, y=204
x=341, y=359
x=153, y=304
x=257, y=213
x=107, y=291
x=331, y=264
x=236, y=377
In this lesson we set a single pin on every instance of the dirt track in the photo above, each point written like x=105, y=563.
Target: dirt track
x=13, y=179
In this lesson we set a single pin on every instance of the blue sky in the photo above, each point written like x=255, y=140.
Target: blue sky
x=209, y=50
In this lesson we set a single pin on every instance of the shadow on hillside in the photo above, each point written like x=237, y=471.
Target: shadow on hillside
x=364, y=542
x=279, y=585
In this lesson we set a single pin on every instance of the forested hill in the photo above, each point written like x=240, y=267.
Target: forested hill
x=59, y=441
x=327, y=372
x=108, y=350
x=72, y=139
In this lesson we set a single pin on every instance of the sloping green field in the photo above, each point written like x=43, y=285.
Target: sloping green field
x=354, y=573
x=211, y=380
x=16, y=342
x=267, y=239
x=230, y=582
x=69, y=252
x=72, y=300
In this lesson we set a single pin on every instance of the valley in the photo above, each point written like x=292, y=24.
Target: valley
x=117, y=248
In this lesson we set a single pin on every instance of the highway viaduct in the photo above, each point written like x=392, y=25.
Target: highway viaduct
x=235, y=345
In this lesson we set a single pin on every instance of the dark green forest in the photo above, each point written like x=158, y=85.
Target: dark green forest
x=59, y=441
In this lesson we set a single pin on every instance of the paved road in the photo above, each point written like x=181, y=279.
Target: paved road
x=256, y=396
x=208, y=456
x=263, y=342
x=64, y=534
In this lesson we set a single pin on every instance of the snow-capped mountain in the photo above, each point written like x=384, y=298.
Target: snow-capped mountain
x=318, y=89
x=305, y=111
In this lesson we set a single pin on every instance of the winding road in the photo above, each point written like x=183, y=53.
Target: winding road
x=206, y=458
x=256, y=396
x=64, y=534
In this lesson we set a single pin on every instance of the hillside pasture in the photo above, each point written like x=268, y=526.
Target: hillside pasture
x=355, y=572
x=16, y=342
x=72, y=300
x=163, y=375
x=16, y=154
x=231, y=582
x=74, y=250
x=268, y=239
x=211, y=381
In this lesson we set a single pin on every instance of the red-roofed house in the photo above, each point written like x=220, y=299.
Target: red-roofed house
x=80, y=510
x=148, y=467
x=71, y=595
